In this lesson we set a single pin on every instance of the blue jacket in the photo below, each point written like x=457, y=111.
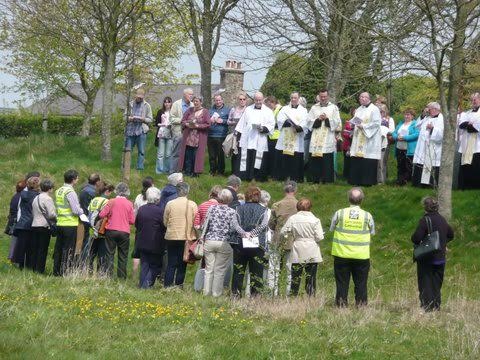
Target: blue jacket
x=149, y=222
x=26, y=216
x=411, y=138
x=169, y=192
x=219, y=130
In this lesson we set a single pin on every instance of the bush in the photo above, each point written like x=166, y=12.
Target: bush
x=15, y=125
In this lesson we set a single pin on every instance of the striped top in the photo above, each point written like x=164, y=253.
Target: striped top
x=202, y=212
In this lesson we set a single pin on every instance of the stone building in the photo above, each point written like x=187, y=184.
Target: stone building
x=231, y=79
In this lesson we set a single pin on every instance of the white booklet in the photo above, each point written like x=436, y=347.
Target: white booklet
x=250, y=242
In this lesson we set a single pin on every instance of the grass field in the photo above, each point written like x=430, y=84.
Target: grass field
x=77, y=317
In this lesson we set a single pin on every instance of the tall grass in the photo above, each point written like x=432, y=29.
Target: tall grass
x=90, y=317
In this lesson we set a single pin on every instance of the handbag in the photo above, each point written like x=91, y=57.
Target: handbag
x=429, y=245
x=52, y=224
x=229, y=145
x=199, y=247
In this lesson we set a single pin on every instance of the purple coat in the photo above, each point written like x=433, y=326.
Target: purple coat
x=203, y=123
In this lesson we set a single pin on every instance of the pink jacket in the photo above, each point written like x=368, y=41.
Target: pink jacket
x=119, y=212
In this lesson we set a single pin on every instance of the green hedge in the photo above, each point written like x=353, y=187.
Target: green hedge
x=14, y=125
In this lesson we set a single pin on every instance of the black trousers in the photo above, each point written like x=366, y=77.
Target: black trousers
x=358, y=269
x=95, y=248
x=23, y=253
x=41, y=241
x=251, y=173
x=310, y=278
x=176, y=267
x=322, y=168
x=417, y=176
x=346, y=165
x=292, y=167
x=64, y=250
x=363, y=172
x=469, y=175
x=189, y=161
x=430, y=280
x=116, y=239
x=254, y=258
x=404, y=167
x=273, y=158
x=216, y=157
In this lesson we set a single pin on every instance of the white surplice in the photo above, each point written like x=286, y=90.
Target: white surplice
x=367, y=142
x=251, y=138
x=469, y=142
x=327, y=142
x=429, y=146
x=299, y=117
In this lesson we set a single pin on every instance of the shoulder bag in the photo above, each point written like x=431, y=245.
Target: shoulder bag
x=52, y=224
x=429, y=245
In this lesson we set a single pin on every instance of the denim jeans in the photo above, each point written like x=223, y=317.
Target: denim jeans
x=140, y=141
x=164, y=155
x=189, y=163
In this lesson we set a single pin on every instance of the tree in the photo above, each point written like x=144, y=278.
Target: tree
x=442, y=37
x=203, y=21
x=49, y=52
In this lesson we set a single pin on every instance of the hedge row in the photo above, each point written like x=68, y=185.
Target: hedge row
x=13, y=125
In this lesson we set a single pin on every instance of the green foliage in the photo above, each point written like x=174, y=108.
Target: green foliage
x=24, y=125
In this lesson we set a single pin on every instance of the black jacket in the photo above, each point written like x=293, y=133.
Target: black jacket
x=444, y=229
x=149, y=223
x=26, y=216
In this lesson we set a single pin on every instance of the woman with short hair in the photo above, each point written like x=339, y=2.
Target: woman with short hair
x=251, y=225
x=120, y=215
x=23, y=254
x=305, y=230
x=405, y=136
x=430, y=269
x=44, y=214
x=149, y=239
x=218, y=228
x=164, y=139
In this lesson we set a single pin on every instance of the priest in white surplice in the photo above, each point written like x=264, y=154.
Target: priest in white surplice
x=323, y=120
x=256, y=123
x=469, y=136
x=292, y=122
x=366, y=148
x=428, y=153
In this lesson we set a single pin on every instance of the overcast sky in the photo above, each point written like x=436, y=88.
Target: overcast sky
x=254, y=76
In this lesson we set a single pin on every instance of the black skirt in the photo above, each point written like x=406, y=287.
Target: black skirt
x=292, y=167
x=363, y=172
x=251, y=173
x=417, y=176
x=322, y=169
x=469, y=175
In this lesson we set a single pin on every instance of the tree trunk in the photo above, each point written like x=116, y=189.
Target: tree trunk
x=87, y=118
x=450, y=108
x=107, y=106
x=206, y=82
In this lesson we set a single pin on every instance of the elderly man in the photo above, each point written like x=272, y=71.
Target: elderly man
x=178, y=219
x=428, y=152
x=469, y=127
x=179, y=108
x=233, y=185
x=323, y=120
x=292, y=122
x=140, y=116
x=366, y=148
x=216, y=135
x=352, y=228
x=256, y=123
x=280, y=248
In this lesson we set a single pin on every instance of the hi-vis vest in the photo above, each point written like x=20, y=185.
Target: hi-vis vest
x=351, y=239
x=65, y=216
x=94, y=208
x=276, y=133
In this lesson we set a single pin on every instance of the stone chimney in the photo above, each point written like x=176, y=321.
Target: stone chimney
x=231, y=79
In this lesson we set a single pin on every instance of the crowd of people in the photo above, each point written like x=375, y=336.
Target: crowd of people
x=266, y=140
x=235, y=238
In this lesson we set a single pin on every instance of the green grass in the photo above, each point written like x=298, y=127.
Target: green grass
x=43, y=316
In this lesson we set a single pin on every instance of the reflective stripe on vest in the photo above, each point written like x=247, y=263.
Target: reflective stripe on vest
x=97, y=203
x=65, y=216
x=351, y=239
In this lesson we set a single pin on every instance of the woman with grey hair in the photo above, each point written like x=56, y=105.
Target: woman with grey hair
x=430, y=269
x=217, y=233
x=178, y=219
x=150, y=242
x=44, y=215
x=120, y=214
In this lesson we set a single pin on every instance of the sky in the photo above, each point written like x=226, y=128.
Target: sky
x=254, y=76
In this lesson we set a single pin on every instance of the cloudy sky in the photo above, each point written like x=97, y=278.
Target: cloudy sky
x=254, y=76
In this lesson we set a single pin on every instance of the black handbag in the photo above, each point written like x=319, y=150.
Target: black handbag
x=429, y=245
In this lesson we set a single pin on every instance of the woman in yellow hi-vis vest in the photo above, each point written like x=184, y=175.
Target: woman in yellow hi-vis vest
x=352, y=228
